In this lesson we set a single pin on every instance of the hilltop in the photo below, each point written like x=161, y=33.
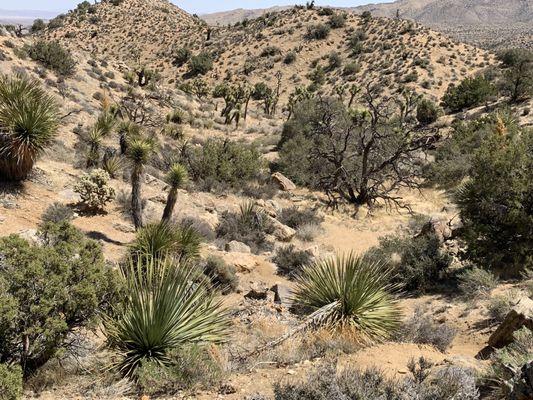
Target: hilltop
x=352, y=51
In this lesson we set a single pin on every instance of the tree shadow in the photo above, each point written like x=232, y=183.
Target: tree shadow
x=103, y=237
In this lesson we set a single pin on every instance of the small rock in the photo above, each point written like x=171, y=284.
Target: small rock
x=237, y=247
x=313, y=251
x=126, y=228
x=2, y=219
x=291, y=372
x=31, y=236
x=283, y=182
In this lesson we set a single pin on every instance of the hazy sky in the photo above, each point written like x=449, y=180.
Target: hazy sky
x=192, y=6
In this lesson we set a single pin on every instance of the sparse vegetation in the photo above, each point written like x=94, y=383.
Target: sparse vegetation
x=53, y=56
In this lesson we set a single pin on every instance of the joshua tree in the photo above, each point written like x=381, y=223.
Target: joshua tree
x=28, y=123
x=139, y=152
x=177, y=177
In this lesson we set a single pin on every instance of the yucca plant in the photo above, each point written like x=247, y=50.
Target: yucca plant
x=167, y=306
x=106, y=121
x=350, y=292
x=94, y=141
x=139, y=153
x=176, y=178
x=113, y=164
x=29, y=121
x=164, y=239
x=127, y=130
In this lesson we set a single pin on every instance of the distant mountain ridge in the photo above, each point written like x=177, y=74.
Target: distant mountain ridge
x=24, y=17
x=489, y=23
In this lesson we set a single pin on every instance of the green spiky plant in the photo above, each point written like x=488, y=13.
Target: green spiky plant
x=176, y=178
x=139, y=153
x=127, y=130
x=106, y=122
x=167, y=306
x=94, y=141
x=29, y=119
x=350, y=292
x=165, y=239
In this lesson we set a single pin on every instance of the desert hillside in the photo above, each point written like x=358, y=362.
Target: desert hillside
x=312, y=204
x=353, y=52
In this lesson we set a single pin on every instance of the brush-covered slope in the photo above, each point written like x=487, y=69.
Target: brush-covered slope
x=128, y=30
x=394, y=53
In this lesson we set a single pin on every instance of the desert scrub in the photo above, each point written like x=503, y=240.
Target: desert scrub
x=291, y=261
x=94, y=190
x=419, y=262
x=222, y=275
x=68, y=274
x=329, y=383
x=223, y=162
x=317, y=32
x=191, y=367
x=477, y=282
x=421, y=329
x=53, y=56
x=57, y=213
x=249, y=225
x=500, y=305
x=10, y=382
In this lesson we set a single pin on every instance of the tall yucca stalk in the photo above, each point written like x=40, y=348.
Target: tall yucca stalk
x=167, y=306
x=177, y=178
x=350, y=292
x=28, y=123
x=139, y=153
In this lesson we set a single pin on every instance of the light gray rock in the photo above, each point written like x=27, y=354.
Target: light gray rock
x=237, y=247
x=283, y=182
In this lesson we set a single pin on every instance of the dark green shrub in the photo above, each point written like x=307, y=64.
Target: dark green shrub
x=182, y=56
x=290, y=261
x=427, y=112
x=471, y=92
x=496, y=204
x=317, y=32
x=290, y=58
x=200, y=64
x=224, y=162
x=10, y=382
x=53, y=56
x=270, y=51
x=453, y=158
x=419, y=262
x=38, y=26
x=69, y=277
x=517, y=80
x=337, y=21
x=221, y=274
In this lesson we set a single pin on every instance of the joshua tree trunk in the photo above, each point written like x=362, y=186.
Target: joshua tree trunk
x=171, y=203
x=136, y=198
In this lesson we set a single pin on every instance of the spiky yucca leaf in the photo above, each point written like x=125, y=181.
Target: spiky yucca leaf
x=177, y=176
x=140, y=151
x=164, y=238
x=360, y=290
x=105, y=122
x=28, y=123
x=167, y=306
